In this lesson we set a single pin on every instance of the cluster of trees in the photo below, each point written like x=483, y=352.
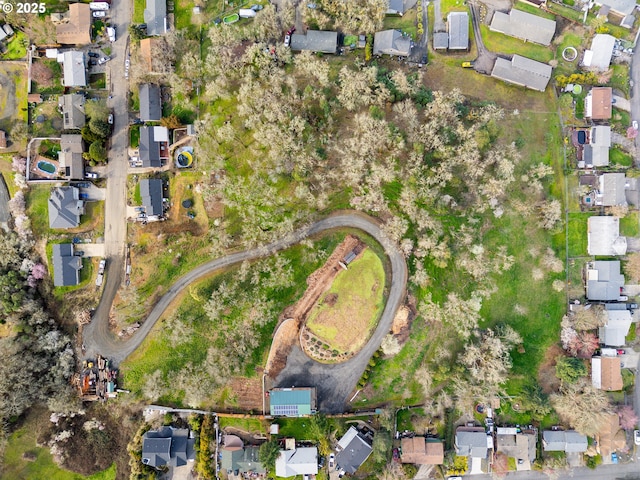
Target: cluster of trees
x=96, y=131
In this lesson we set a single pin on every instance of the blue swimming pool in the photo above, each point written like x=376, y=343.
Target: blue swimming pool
x=46, y=167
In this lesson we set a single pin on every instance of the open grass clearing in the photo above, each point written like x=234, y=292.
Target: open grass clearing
x=405, y=23
x=250, y=425
x=620, y=158
x=138, y=11
x=13, y=95
x=527, y=7
x=629, y=226
x=504, y=44
x=577, y=232
x=17, y=47
x=347, y=313
x=38, y=209
x=23, y=441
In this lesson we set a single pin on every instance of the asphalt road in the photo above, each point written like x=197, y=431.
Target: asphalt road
x=628, y=471
x=334, y=382
x=115, y=228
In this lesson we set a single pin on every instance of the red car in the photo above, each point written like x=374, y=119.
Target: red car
x=396, y=455
x=620, y=351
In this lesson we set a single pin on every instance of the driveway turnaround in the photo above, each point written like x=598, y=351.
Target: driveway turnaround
x=334, y=382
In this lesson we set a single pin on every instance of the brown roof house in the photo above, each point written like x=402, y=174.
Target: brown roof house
x=77, y=30
x=597, y=103
x=422, y=451
x=606, y=374
x=610, y=437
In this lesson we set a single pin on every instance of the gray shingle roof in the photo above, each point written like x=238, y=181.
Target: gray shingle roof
x=65, y=207
x=167, y=446
x=74, y=72
x=523, y=71
x=622, y=7
x=243, y=460
x=391, y=42
x=353, y=451
x=471, y=443
x=66, y=266
x=151, y=193
x=615, y=331
x=524, y=25
x=149, y=149
x=72, y=107
x=155, y=16
x=150, y=103
x=602, y=48
x=564, y=441
x=315, y=41
x=458, y=30
x=70, y=156
x=612, y=189
x=604, y=280
x=603, y=236
x=400, y=6
x=440, y=40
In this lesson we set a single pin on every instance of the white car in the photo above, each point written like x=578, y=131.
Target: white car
x=127, y=63
x=90, y=175
x=99, y=14
x=634, y=124
x=103, y=60
x=110, y=119
x=287, y=40
x=332, y=460
x=636, y=437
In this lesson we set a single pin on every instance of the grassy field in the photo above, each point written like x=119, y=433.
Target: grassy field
x=629, y=226
x=620, y=157
x=160, y=352
x=526, y=7
x=405, y=23
x=13, y=98
x=38, y=209
x=17, y=47
x=578, y=234
x=138, y=11
x=250, y=425
x=565, y=12
x=501, y=43
x=347, y=322
x=43, y=467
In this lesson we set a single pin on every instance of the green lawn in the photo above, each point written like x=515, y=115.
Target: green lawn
x=578, y=234
x=251, y=425
x=17, y=47
x=526, y=7
x=405, y=23
x=565, y=12
x=182, y=12
x=501, y=43
x=620, y=157
x=43, y=467
x=629, y=226
x=138, y=11
x=38, y=209
x=360, y=301
x=134, y=136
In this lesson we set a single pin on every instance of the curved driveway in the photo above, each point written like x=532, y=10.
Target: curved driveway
x=334, y=382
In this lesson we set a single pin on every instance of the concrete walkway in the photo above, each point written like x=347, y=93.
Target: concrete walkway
x=622, y=103
x=90, y=249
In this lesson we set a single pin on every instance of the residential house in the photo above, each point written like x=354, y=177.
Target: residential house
x=519, y=444
x=622, y=8
x=353, y=450
x=522, y=71
x=154, y=146
x=315, y=41
x=458, y=23
x=155, y=16
x=610, y=436
x=603, y=236
x=568, y=441
x=34, y=98
x=399, y=7
x=167, y=447
x=598, y=57
x=66, y=265
x=150, y=102
x=299, y=461
x=614, y=332
x=391, y=42
x=523, y=25
x=292, y=402
x=65, y=207
x=72, y=108
x=239, y=459
x=597, y=103
x=472, y=442
x=151, y=195
x=73, y=68
x=77, y=30
x=70, y=156
x=440, y=40
x=422, y=451
x=604, y=280
x=606, y=374
x=595, y=153
x=609, y=191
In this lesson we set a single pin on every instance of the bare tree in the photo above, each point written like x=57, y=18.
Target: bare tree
x=581, y=405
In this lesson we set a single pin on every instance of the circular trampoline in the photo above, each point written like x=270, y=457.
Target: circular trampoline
x=569, y=54
x=184, y=157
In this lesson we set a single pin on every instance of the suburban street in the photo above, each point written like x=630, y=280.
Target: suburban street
x=627, y=471
x=115, y=229
x=334, y=382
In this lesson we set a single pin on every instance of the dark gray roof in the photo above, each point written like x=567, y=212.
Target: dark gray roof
x=155, y=16
x=526, y=26
x=458, y=30
x=523, y=71
x=66, y=266
x=400, y=6
x=391, y=42
x=243, y=460
x=70, y=156
x=354, y=451
x=440, y=40
x=65, y=207
x=316, y=41
x=471, y=443
x=149, y=149
x=150, y=103
x=151, y=193
x=167, y=446
x=604, y=280
x=564, y=441
x=72, y=106
x=622, y=7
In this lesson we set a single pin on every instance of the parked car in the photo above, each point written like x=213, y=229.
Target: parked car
x=619, y=351
x=636, y=437
x=341, y=474
x=84, y=196
x=256, y=8
x=634, y=124
x=632, y=306
x=332, y=460
x=90, y=175
x=467, y=64
x=396, y=455
x=93, y=54
x=287, y=40
x=103, y=60
x=614, y=457
x=455, y=478
x=110, y=119
x=79, y=253
x=92, y=63
x=127, y=63
x=82, y=185
x=99, y=14
x=291, y=30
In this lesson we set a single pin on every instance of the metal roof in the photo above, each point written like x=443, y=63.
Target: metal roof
x=74, y=71
x=290, y=402
x=66, y=266
x=149, y=148
x=150, y=102
x=155, y=16
x=315, y=41
x=300, y=461
x=527, y=26
x=151, y=193
x=523, y=71
x=458, y=30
